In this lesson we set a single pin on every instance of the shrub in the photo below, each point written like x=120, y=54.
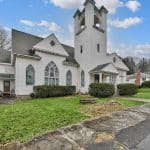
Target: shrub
x=32, y=95
x=127, y=89
x=101, y=90
x=146, y=84
x=53, y=91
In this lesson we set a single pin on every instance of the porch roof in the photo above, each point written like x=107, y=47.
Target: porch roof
x=7, y=76
x=107, y=68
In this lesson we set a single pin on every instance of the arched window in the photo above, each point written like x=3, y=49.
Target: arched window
x=69, y=78
x=82, y=79
x=51, y=74
x=97, y=22
x=30, y=75
x=82, y=23
x=114, y=59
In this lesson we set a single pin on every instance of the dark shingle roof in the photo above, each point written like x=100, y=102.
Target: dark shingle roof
x=70, y=50
x=99, y=67
x=5, y=56
x=22, y=42
x=7, y=76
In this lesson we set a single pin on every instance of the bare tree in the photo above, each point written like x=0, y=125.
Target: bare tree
x=5, y=41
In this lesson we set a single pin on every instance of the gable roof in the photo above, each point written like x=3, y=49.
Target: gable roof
x=56, y=48
x=105, y=68
x=5, y=56
x=71, y=58
x=99, y=67
x=119, y=64
x=22, y=43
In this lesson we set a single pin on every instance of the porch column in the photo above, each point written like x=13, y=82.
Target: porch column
x=108, y=79
x=100, y=78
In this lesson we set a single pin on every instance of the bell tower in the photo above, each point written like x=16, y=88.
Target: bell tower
x=90, y=26
x=90, y=34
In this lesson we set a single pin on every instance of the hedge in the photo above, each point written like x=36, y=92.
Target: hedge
x=53, y=91
x=127, y=89
x=146, y=84
x=101, y=89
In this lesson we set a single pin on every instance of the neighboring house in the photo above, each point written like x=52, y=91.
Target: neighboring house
x=138, y=78
x=39, y=61
x=147, y=70
x=6, y=72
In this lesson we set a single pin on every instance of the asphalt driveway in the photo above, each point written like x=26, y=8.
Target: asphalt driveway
x=133, y=138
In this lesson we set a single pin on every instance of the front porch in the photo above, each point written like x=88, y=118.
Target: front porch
x=7, y=85
x=106, y=73
x=103, y=78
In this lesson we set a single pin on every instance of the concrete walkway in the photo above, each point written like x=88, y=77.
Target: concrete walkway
x=136, y=99
x=124, y=130
x=6, y=100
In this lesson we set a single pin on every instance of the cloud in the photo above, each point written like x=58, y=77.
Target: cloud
x=65, y=39
x=111, y=5
x=139, y=50
x=133, y=5
x=67, y=4
x=71, y=28
x=51, y=26
x=7, y=29
x=126, y=23
x=27, y=23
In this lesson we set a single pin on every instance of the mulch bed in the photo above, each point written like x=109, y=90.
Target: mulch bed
x=101, y=109
x=6, y=100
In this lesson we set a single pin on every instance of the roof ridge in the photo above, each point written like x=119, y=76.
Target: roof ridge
x=67, y=45
x=27, y=33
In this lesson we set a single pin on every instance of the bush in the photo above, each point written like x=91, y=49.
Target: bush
x=146, y=84
x=32, y=95
x=127, y=89
x=101, y=90
x=53, y=91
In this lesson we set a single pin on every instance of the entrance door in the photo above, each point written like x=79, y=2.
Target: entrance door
x=6, y=86
x=96, y=78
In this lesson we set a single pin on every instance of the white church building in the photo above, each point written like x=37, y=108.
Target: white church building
x=46, y=61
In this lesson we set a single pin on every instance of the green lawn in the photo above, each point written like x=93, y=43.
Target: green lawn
x=143, y=93
x=23, y=120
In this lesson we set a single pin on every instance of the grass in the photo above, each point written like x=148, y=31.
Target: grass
x=143, y=93
x=26, y=119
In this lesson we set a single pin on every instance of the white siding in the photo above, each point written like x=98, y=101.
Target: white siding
x=39, y=66
x=1, y=85
x=6, y=69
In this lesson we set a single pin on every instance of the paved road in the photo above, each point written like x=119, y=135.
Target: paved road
x=123, y=130
x=137, y=99
x=144, y=145
x=132, y=138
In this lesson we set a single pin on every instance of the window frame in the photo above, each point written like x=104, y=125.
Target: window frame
x=51, y=78
x=81, y=49
x=82, y=79
x=29, y=70
x=69, y=78
x=98, y=48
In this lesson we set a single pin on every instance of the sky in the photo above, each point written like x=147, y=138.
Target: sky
x=128, y=21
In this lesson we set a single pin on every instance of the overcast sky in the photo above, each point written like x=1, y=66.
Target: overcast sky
x=128, y=21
